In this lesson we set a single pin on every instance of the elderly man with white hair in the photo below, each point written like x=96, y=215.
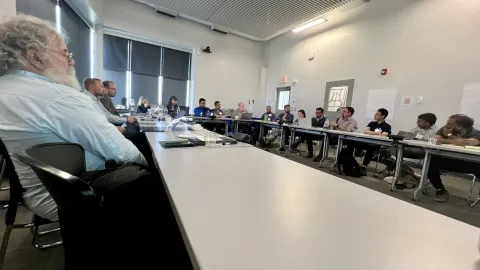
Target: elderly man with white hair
x=41, y=102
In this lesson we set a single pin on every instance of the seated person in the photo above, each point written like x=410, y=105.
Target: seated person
x=287, y=118
x=201, y=110
x=270, y=116
x=346, y=121
x=218, y=112
x=110, y=91
x=458, y=131
x=378, y=127
x=94, y=90
x=424, y=130
x=142, y=106
x=41, y=102
x=172, y=106
x=237, y=114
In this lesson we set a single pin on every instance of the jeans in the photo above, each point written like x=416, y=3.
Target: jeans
x=438, y=163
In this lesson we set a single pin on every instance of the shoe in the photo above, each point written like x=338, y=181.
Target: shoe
x=363, y=170
x=309, y=155
x=281, y=149
x=382, y=174
x=441, y=195
x=295, y=144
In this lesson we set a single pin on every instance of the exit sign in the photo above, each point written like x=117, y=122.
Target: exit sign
x=283, y=79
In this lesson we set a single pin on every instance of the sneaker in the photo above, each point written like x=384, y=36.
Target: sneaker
x=441, y=195
x=295, y=144
x=309, y=155
x=382, y=174
x=317, y=159
x=363, y=170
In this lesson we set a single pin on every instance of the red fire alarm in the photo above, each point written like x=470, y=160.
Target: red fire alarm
x=384, y=71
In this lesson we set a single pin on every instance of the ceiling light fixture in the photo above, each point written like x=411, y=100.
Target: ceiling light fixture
x=309, y=25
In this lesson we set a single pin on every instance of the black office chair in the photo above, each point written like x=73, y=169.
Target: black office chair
x=16, y=191
x=57, y=165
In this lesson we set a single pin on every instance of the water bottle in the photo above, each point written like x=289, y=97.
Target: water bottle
x=165, y=111
x=265, y=118
x=178, y=110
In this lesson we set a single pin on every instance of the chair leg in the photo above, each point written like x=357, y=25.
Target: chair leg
x=469, y=199
x=3, y=249
x=36, y=234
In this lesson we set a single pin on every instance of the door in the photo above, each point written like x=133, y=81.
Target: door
x=338, y=95
x=283, y=98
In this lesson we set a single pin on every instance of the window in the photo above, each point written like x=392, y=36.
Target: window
x=148, y=70
x=337, y=99
x=283, y=99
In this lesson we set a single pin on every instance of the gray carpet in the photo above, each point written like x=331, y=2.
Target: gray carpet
x=22, y=256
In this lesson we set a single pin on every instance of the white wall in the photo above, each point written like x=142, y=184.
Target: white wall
x=431, y=48
x=9, y=8
x=232, y=73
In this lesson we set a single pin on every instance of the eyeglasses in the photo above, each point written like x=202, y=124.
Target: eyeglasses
x=68, y=55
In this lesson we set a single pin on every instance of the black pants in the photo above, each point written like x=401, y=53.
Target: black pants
x=140, y=141
x=454, y=165
x=286, y=136
x=369, y=151
x=208, y=125
x=309, y=138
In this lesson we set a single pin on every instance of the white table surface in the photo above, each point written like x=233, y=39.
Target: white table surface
x=442, y=147
x=246, y=209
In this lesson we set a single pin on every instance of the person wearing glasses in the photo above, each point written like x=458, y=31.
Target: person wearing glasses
x=110, y=91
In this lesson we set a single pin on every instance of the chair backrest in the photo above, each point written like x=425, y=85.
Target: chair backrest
x=67, y=157
x=73, y=196
x=15, y=190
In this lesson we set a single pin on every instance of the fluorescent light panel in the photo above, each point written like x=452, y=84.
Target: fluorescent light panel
x=160, y=90
x=309, y=25
x=58, y=24
x=92, y=57
x=187, y=102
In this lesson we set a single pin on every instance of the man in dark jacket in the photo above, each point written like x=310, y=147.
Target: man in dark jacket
x=287, y=118
x=106, y=99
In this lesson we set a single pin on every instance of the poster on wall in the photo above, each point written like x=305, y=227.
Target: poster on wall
x=381, y=98
x=470, y=104
x=293, y=104
x=407, y=102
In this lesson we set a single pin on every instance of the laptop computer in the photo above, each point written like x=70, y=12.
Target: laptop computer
x=407, y=135
x=158, y=129
x=247, y=116
x=304, y=122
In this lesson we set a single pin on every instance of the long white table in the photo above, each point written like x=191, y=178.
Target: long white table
x=449, y=151
x=262, y=211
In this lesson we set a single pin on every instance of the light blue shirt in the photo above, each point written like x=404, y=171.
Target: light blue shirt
x=35, y=110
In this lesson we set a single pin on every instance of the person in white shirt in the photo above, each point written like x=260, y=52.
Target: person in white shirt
x=41, y=102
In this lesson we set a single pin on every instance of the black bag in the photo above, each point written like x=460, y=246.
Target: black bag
x=349, y=164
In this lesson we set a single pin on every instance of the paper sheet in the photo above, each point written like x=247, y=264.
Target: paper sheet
x=470, y=104
x=381, y=98
x=407, y=102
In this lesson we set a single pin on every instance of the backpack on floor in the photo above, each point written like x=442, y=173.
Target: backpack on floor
x=349, y=165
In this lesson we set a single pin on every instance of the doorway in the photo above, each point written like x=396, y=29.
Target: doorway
x=283, y=98
x=338, y=95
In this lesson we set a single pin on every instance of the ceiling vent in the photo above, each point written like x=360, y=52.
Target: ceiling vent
x=166, y=13
x=220, y=30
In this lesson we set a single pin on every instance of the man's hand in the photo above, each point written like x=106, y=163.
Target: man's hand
x=284, y=117
x=131, y=119
x=447, y=132
x=121, y=129
x=333, y=124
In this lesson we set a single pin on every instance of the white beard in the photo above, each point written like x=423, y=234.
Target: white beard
x=68, y=79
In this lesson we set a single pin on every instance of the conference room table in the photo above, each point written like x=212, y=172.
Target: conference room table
x=449, y=151
x=214, y=120
x=262, y=211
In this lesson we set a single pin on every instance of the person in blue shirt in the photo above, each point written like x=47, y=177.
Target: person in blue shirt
x=202, y=110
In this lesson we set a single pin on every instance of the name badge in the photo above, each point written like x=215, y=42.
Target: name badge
x=419, y=137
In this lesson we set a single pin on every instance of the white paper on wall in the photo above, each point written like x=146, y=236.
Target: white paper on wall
x=381, y=98
x=470, y=104
x=407, y=102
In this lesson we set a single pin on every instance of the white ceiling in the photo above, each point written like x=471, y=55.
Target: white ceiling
x=253, y=19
